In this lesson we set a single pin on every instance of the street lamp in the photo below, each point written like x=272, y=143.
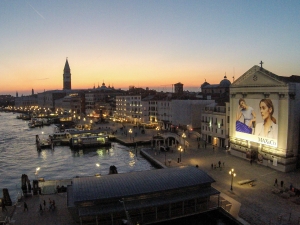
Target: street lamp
x=130, y=132
x=183, y=137
x=232, y=174
x=157, y=130
x=180, y=150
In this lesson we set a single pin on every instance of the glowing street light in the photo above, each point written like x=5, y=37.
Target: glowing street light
x=183, y=137
x=232, y=174
x=130, y=132
x=180, y=150
x=157, y=129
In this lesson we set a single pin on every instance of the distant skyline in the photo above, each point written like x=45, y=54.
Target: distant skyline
x=143, y=43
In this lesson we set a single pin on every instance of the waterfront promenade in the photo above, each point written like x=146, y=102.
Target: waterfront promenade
x=258, y=205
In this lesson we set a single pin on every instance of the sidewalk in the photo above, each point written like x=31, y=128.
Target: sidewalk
x=34, y=216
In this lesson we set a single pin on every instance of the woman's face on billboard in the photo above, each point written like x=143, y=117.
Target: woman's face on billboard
x=264, y=110
x=243, y=105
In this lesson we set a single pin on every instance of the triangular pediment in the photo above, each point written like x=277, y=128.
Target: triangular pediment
x=257, y=76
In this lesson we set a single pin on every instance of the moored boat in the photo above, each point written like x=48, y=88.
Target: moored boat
x=44, y=143
x=91, y=141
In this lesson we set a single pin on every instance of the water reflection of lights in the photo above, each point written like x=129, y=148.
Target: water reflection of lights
x=132, y=163
x=131, y=154
x=44, y=155
x=100, y=152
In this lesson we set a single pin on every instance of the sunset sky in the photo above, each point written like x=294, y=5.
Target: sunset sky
x=143, y=43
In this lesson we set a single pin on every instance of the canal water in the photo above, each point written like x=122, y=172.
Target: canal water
x=18, y=155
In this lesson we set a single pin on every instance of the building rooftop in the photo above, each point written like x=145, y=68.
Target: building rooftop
x=137, y=183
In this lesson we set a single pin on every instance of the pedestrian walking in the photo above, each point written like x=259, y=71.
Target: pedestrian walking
x=275, y=183
x=25, y=207
x=219, y=163
x=281, y=183
x=44, y=204
x=212, y=166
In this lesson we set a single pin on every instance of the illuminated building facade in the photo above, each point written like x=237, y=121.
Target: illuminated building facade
x=215, y=124
x=264, y=118
x=129, y=108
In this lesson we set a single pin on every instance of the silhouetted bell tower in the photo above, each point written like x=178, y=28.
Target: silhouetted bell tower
x=67, y=76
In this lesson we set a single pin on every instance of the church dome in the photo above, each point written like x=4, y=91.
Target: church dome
x=225, y=82
x=204, y=84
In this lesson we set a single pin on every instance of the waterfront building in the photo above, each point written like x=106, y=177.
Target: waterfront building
x=142, y=197
x=67, y=76
x=47, y=99
x=101, y=99
x=215, y=124
x=187, y=113
x=267, y=130
x=164, y=113
x=26, y=101
x=157, y=110
x=6, y=100
x=129, y=108
x=73, y=103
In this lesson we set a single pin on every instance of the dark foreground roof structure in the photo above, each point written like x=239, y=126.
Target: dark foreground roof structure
x=146, y=196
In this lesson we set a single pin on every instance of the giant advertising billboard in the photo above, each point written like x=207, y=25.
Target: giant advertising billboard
x=257, y=120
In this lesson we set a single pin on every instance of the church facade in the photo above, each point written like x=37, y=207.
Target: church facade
x=264, y=114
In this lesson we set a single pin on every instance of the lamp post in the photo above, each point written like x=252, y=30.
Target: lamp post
x=232, y=174
x=130, y=132
x=157, y=130
x=180, y=150
x=183, y=137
